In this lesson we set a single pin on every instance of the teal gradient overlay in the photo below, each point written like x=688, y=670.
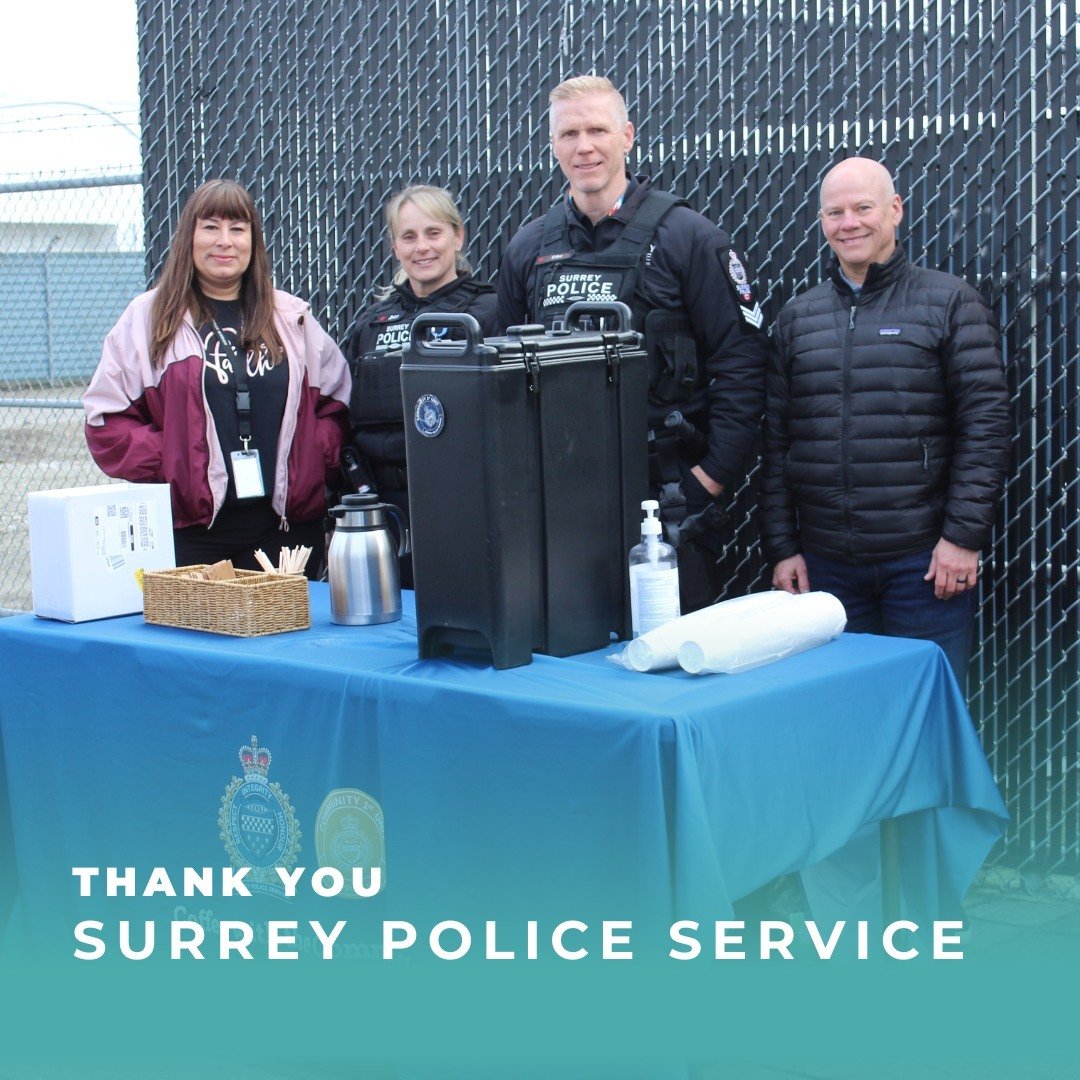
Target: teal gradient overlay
x=933, y=1017
x=417, y=1017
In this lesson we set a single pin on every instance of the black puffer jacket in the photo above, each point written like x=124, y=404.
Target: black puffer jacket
x=887, y=423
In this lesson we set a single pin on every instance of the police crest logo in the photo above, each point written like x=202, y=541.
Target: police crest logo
x=428, y=416
x=257, y=823
x=737, y=273
x=748, y=309
x=349, y=833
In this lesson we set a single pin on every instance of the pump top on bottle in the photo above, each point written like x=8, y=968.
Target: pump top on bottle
x=654, y=575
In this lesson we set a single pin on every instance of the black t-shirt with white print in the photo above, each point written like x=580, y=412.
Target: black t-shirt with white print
x=268, y=386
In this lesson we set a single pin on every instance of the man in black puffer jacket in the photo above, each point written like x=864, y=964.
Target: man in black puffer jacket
x=887, y=429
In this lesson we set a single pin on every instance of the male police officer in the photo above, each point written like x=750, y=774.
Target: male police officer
x=887, y=429
x=614, y=237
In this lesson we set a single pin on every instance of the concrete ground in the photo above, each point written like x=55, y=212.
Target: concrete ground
x=1023, y=924
x=1013, y=923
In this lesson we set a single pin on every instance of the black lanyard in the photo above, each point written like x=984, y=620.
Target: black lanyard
x=243, y=395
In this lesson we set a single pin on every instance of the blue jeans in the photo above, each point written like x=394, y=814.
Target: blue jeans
x=890, y=597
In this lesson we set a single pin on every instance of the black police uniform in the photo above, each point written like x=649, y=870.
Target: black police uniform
x=690, y=295
x=376, y=449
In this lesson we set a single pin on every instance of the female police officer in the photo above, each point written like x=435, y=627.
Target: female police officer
x=427, y=236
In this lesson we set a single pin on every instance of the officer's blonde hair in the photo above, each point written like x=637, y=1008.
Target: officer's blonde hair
x=437, y=203
x=584, y=86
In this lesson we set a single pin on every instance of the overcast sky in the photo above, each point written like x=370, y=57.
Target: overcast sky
x=79, y=51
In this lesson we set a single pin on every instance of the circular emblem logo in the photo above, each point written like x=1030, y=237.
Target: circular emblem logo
x=349, y=832
x=428, y=416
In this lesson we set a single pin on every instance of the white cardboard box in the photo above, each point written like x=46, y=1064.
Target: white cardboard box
x=86, y=544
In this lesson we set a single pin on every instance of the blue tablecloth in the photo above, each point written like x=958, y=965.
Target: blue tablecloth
x=566, y=785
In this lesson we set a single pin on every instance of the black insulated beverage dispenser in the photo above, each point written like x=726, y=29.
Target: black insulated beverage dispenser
x=527, y=464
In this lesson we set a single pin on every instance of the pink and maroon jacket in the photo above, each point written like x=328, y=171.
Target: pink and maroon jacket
x=149, y=425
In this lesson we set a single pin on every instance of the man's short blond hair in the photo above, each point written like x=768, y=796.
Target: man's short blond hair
x=585, y=86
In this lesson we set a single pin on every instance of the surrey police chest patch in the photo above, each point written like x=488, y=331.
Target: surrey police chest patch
x=568, y=285
x=393, y=338
x=257, y=823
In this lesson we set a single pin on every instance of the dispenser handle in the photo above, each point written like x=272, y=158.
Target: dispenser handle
x=454, y=347
x=614, y=308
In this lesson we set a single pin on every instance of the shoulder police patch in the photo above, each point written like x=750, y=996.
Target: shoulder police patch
x=737, y=273
x=749, y=308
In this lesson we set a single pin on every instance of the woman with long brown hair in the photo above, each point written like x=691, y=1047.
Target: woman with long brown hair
x=226, y=388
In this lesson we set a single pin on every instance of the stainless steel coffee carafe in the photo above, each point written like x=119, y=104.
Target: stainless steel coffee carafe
x=365, y=587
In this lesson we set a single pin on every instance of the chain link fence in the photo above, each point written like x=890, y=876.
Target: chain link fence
x=324, y=110
x=71, y=257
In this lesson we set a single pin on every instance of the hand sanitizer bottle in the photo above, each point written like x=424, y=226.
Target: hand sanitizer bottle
x=654, y=576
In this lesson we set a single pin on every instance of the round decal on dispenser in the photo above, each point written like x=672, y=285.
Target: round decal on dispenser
x=428, y=416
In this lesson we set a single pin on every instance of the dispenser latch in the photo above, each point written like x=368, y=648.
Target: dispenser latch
x=612, y=357
x=531, y=356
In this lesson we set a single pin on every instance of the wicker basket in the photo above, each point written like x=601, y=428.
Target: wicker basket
x=251, y=605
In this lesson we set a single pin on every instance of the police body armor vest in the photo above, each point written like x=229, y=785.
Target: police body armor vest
x=564, y=276
x=376, y=393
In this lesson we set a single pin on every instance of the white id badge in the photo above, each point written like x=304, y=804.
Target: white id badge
x=247, y=474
